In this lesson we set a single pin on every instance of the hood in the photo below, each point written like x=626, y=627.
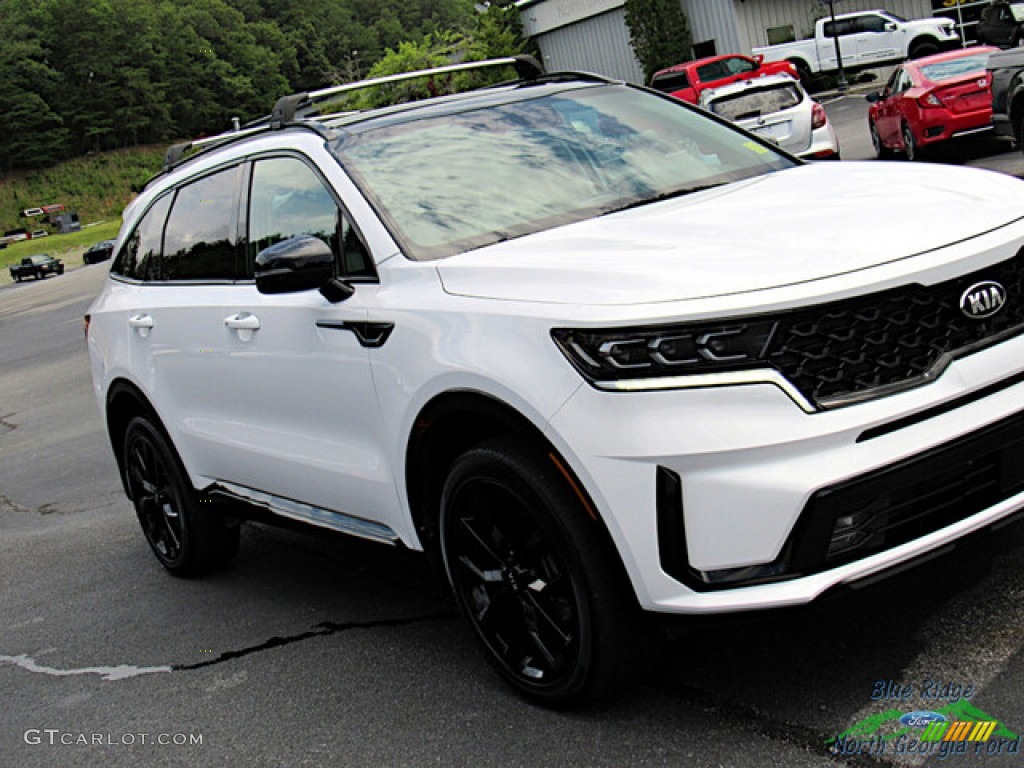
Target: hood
x=807, y=223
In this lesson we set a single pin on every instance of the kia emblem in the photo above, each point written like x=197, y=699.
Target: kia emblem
x=983, y=300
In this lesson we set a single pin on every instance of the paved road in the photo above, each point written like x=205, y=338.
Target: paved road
x=317, y=651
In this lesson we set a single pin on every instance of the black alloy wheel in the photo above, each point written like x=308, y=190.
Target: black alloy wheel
x=185, y=540
x=530, y=572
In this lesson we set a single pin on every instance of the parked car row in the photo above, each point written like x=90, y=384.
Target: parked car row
x=767, y=99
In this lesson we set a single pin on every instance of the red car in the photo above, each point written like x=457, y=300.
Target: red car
x=688, y=80
x=931, y=100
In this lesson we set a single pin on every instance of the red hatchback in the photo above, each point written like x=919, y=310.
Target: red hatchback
x=931, y=100
x=688, y=80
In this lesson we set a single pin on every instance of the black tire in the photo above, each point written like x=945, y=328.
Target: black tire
x=803, y=71
x=882, y=152
x=910, y=148
x=186, y=540
x=923, y=48
x=535, y=576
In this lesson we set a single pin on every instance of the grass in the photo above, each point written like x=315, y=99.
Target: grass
x=98, y=186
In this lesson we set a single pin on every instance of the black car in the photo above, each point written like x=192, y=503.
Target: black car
x=99, y=252
x=1002, y=24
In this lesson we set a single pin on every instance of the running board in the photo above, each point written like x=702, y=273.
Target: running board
x=304, y=513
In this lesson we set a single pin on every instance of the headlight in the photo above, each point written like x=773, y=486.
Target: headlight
x=610, y=355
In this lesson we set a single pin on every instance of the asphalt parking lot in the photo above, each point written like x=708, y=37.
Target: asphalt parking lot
x=313, y=650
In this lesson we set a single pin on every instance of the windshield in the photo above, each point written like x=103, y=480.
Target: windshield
x=454, y=182
x=946, y=70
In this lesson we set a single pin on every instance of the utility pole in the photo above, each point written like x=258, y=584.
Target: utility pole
x=841, y=84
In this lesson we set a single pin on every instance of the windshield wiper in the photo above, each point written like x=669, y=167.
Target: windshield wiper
x=664, y=196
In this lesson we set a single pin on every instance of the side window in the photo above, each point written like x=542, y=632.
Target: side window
x=738, y=66
x=140, y=256
x=839, y=28
x=870, y=24
x=289, y=199
x=714, y=70
x=904, y=83
x=200, y=242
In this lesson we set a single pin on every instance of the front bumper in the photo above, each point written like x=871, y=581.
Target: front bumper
x=763, y=485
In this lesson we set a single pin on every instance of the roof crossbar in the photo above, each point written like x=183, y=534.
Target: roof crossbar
x=286, y=108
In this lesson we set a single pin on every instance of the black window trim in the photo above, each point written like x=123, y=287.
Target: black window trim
x=244, y=197
x=172, y=190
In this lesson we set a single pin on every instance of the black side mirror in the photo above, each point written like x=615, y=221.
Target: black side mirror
x=873, y=96
x=300, y=263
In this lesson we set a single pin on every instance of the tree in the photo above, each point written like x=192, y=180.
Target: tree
x=659, y=33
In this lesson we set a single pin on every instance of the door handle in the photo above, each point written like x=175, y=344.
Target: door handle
x=140, y=321
x=243, y=321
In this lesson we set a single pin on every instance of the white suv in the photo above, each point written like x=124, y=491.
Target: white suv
x=605, y=355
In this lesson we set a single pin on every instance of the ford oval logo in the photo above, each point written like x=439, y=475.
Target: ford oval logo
x=983, y=300
x=921, y=719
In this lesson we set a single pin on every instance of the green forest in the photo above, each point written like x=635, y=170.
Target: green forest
x=80, y=76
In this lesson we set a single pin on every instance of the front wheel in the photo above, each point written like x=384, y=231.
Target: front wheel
x=926, y=48
x=186, y=540
x=532, y=572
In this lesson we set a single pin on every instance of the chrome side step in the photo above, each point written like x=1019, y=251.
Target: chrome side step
x=305, y=513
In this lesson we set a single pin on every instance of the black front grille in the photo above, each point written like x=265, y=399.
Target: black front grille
x=847, y=351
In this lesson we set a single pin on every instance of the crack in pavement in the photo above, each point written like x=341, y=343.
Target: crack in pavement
x=7, y=424
x=126, y=671
x=320, y=630
x=6, y=502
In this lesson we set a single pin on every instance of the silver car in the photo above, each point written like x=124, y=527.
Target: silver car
x=777, y=108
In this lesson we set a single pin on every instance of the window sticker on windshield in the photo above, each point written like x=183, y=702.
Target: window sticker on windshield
x=753, y=146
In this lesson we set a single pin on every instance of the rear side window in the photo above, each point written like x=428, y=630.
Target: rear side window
x=140, y=256
x=670, y=81
x=288, y=199
x=200, y=242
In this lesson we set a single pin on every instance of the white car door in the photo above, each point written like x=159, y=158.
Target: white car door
x=302, y=421
x=877, y=39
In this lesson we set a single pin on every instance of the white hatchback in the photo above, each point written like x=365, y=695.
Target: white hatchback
x=777, y=108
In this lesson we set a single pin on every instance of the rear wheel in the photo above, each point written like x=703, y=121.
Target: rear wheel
x=882, y=152
x=803, y=72
x=186, y=540
x=530, y=570
x=910, y=147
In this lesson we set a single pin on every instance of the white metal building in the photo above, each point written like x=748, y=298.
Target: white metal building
x=591, y=35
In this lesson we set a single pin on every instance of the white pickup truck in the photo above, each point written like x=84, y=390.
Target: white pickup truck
x=866, y=39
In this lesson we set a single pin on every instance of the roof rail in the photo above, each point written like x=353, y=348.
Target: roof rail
x=286, y=108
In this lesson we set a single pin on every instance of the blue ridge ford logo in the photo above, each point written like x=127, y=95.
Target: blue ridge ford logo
x=983, y=300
